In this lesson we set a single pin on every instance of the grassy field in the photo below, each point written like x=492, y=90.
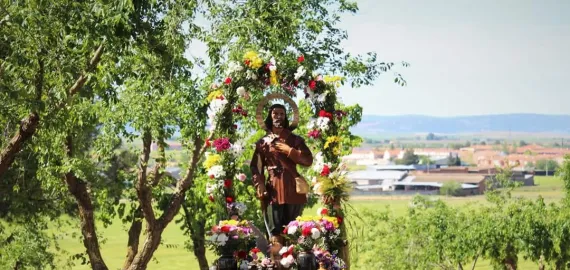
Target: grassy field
x=172, y=254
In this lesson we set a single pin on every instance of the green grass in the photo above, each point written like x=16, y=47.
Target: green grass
x=172, y=254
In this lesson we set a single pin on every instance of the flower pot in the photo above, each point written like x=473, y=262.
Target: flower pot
x=227, y=262
x=306, y=261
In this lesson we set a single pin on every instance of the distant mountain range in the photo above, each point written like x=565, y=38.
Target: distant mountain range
x=530, y=123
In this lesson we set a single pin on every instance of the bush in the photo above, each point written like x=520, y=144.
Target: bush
x=450, y=189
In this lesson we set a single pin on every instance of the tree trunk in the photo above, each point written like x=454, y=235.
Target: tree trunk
x=134, y=235
x=157, y=226
x=510, y=264
x=197, y=234
x=78, y=189
x=27, y=129
x=151, y=243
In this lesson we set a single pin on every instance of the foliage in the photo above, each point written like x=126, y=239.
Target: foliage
x=409, y=158
x=546, y=165
x=450, y=188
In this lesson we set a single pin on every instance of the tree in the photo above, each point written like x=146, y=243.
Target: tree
x=453, y=160
x=450, y=188
x=409, y=158
x=546, y=165
x=431, y=137
x=522, y=143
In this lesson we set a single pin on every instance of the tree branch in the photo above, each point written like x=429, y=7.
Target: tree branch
x=475, y=262
x=28, y=125
x=27, y=128
x=143, y=190
x=78, y=189
x=134, y=236
x=90, y=67
x=183, y=185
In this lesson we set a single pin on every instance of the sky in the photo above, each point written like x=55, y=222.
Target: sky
x=468, y=57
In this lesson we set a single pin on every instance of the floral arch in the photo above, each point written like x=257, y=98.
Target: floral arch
x=246, y=82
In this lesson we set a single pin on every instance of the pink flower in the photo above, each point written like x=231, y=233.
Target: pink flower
x=242, y=177
x=222, y=144
x=314, y=134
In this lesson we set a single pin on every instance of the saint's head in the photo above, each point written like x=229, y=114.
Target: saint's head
x=277, y=117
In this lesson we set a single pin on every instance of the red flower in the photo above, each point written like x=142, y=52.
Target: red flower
x=301, y=58
x=212, y=176
x=225, y=229
x=228, y=183
x=314, y=134
x=247, y=62
x=339, y=218
x=208, y=143
x=306, y=231
x=211, y=198
x=312, y=85
x=285, y=230
x=228, y=80
x=244, y=113
x=241, y=254
x=296, y=83
x=326, y=171
x=324, y=212
x=229, y=199
x=323, y=113
x=235, y=126
x=255, y=250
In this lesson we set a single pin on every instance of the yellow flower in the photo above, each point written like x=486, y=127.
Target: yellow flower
x=214, y=94
x=273, y=77
x=252, y=59
x=331, y=140
x=332, y=220
x=335, y=80
x=230, y=222
x=212, y=160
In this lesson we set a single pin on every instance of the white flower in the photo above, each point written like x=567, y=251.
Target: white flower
x=312, y=124
x=292, y=230
x=283, y=250
x=288, y=261
x=217, y=105
x=233, y=67
x=240, y=207
x=236, y=149
x=321, y=98
x=337, y=232
x=217, y=171
x=317, y=189
x=323, y=123
x=210, y=188
x=315, y=74
x=214, y=86
x=300, y=72
x=222, y=239
x=241, y=177
x=314, y=180
x=273, y=64
x=250, y=75
x=221, y=183
x=241, y=91
x=213, y=238
x=315, y=233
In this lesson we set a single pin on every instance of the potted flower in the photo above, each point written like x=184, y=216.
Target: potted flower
x=304, y=233
x=230, y=239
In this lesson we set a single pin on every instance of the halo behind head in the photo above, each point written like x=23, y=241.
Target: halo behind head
x=273, y=96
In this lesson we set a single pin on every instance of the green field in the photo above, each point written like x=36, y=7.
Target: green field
x=172, y=254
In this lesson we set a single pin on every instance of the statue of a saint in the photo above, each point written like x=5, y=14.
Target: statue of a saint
x=279, y=152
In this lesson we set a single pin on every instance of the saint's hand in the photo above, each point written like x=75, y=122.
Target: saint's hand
x=283, y=148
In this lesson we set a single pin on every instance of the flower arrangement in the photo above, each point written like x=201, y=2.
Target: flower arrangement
x=231, y=237
x=244, y=84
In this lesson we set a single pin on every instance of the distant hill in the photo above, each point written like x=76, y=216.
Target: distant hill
x=531, y=123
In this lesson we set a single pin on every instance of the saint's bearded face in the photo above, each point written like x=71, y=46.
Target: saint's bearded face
x=278, y=117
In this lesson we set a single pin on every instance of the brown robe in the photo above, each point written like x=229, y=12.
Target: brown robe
x=281, y=185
